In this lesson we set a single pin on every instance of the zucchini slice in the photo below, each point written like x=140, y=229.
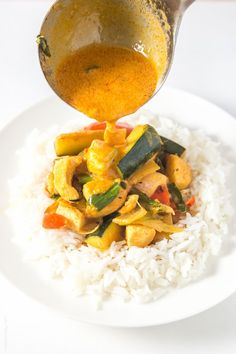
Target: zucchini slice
x=99, y=201
x=143, y=143
x=108, y=232
x=171, y=147
x=74, y=143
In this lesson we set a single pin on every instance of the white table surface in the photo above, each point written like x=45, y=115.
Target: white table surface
x=204, y=64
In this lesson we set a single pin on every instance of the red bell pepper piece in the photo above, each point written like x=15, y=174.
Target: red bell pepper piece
x=54, y=221
x=191, y=201
x=162, y=194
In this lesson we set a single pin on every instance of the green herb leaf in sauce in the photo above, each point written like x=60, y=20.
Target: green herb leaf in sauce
x=99, y=201
x=91, y=68
x=43, y=45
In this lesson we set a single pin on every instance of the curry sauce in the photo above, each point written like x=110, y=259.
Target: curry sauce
x=106, y=82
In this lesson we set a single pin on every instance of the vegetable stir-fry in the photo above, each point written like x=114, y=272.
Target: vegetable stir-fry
x=118, y=183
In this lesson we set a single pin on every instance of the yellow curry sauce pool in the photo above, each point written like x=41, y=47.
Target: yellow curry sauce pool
x=106, y=82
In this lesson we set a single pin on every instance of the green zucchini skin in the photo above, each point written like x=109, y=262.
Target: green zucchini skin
x=100, y=201
x=145, y=147
x=171, y=147
x=177, y=197
x=107, y=220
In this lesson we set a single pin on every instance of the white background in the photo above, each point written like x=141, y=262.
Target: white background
x=205, y=64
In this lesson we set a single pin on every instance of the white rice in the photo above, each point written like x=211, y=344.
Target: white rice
x=133, y=274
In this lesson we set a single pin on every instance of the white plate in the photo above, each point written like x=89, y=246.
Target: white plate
x=217, y=283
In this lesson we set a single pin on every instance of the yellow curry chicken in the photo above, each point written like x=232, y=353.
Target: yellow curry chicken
x=112, y=182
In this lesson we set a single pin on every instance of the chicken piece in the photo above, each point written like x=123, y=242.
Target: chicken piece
x=149, y=183
x=64, y=170
x=178, y=171
x=74, y=215
x=50, y=187
x=100, y=157
x=139, y=235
